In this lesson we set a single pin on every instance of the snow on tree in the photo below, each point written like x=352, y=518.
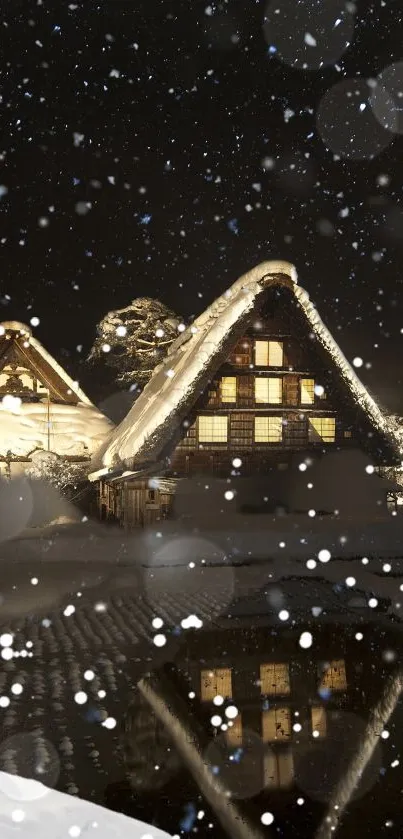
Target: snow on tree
x=62, y=474
x=135, y=339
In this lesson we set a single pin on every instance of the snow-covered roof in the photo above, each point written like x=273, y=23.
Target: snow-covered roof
x=67, y=430
x=70, y=425
x=196, y=355
x=14, y=326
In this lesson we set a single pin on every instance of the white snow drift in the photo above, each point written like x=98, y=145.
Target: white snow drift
x=45, y=813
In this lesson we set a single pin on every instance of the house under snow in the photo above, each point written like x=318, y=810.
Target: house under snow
x=41, y=408
x=252, y=399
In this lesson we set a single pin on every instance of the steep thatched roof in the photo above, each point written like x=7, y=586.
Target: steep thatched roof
x=195, y=357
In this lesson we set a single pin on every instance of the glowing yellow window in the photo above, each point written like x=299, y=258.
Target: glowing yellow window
x=274, y=679
x=278, y=769
x=276, y=725
x=318, y=720
x=234, y=732
x=228, y=389
x=333, y=675
x=216, y=682
x=213, y=429
x=322, y=428
x=268, y=430
x=269, y=353
x=307, y=391
x=269, y=390
x=261, y=353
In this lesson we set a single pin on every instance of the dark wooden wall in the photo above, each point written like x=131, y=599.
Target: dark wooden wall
x=300, y=360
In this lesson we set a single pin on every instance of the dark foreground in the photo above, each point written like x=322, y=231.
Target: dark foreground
x=83, y=638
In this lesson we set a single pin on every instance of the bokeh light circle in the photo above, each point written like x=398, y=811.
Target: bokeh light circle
x=16, y=506
x=191, y=570
x=31, y=756
x=308, y=38
x=389, y=111
x=319, y=767
x=237, y=768
x=151, y=759
x=346, y=123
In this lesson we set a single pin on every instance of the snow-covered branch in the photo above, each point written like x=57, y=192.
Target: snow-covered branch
x=135, y=339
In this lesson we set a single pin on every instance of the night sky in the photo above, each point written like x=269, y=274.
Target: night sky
x=163, y=148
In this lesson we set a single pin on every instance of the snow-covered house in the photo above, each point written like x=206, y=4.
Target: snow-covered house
x=253, y=383
x=42, y=410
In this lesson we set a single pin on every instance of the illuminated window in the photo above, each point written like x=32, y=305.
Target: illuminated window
x=228, y=389
x=269, y=390
x=268, y=430
x=333, y=676
x=216, y=682
x=307, y=391
x=323, y=428
x=269, y=353
x=274, y=679
x=278, y=769
x=213, y=429
x=318, y=720
x=347, y=434
x=233, y=734
x=276, y=725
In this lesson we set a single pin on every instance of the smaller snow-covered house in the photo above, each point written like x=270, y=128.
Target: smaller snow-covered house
x=255, y=385
x=42, y=410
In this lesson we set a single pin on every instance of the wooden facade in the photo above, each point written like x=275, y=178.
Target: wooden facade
x=261, y=411
x=272, y=396
x=25, y=372
x=29, y=374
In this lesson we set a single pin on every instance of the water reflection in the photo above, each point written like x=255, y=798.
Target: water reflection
x=299, y=733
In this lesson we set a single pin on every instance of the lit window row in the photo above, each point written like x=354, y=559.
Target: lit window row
x=278, y=725
x=268, y=390
x=274, y=679
x=267, y=429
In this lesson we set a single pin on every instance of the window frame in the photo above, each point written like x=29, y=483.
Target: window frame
x=320, y=433
x=213, y=418
x=278, y=714
x=268, y=671
x=214, y=674
x=268, y=341
x=301, y=381
x=319, y=721
x=280, y=762
x=268, y=379
x=231, y=401
x=234, y=732
x=268, y=442
x=326, y=671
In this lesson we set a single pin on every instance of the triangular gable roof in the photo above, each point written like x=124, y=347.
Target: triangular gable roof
x=22, y=345
x=195, y=356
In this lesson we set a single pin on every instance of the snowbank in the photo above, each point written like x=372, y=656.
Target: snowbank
x=32, y=811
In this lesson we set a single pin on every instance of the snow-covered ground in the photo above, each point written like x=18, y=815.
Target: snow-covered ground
x=238, y=538
x=35, y=810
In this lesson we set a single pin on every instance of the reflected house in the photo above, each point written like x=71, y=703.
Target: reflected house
x=255, y=385
x=290, y=701
x=301, y=713
x=42, y=410
x=279, y=721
